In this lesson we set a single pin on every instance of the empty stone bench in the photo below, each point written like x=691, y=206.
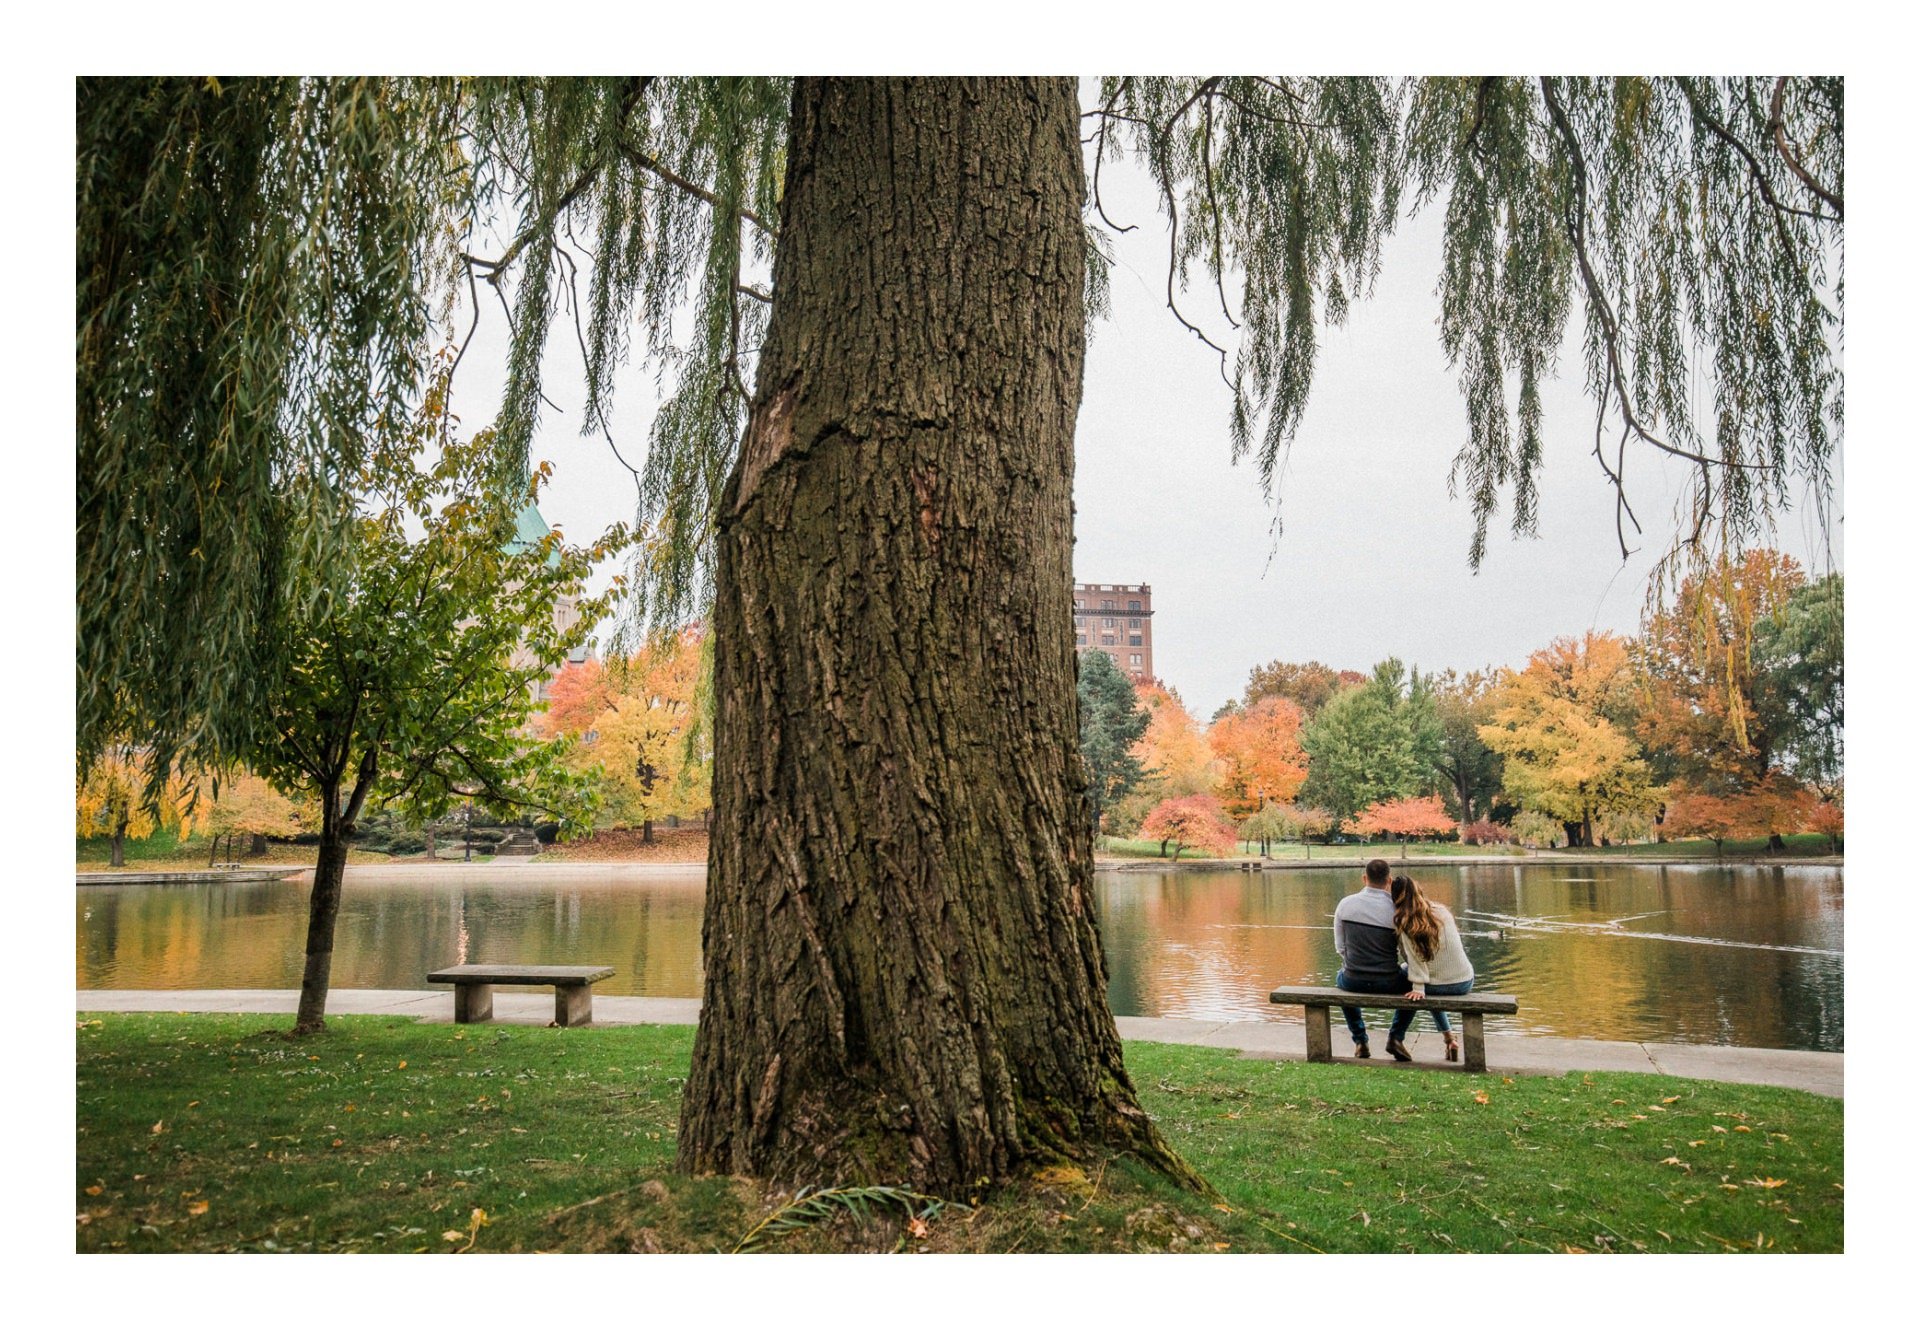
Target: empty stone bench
x=1473, y=1008
x=473, y=988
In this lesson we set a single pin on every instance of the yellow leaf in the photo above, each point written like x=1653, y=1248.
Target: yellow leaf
x=453, y=1235
x=1221, y=1246
x=95, y=1189
x=1223, y=1209
x=1768, y=1183
x=917, y=1226
x=197, y=1208
x=1720, y=1129
x=337, y=1142
x=1481, y=1098
x=1671, y=1099
x=403, y=1064
x=1674, y=1159
x=1743, y=1128
x=159, y=1127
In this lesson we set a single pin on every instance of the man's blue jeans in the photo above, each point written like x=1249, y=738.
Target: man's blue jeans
x=1394, y=984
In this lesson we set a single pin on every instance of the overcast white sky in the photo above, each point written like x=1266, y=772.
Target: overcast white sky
x=1372, y=559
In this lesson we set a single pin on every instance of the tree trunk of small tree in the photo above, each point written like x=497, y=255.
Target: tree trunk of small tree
x=904, y=980
x=257, y=846
x=646, y=831
x=117, y=857
x=323, y=907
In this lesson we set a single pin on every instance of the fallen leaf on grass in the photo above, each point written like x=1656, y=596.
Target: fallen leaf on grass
x=1675, y=1159
x=1223, y=1209
x=917, y=1226
x=1671, y=1099
x=159, y=1127
x=1720, y=1129
x=197, y=1208
x=1480, y=1097
x=1743, y=1128
x=1221, y=1246
x=1768, y=1183
x=95, y=1189
x=402, y=1066
x=1696, y=1142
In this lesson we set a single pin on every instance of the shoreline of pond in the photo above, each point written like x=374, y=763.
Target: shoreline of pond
x=613, y=869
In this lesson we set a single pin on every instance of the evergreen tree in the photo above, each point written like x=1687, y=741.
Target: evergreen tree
x=1379, y=741
x=1111, y=722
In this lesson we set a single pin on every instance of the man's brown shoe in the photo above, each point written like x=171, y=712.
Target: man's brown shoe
x=1360, y=1051
x=1399, y=1051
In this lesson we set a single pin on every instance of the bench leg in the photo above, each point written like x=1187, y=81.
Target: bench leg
x=472, y=1003
x=1474, y=1035
x=1319, y=1034
x=572, y=1004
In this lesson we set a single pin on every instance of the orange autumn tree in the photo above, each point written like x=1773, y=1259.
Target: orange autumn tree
x=1828, y=817
x=639, y=729
x=1701, y=704
x=109, y=799
x=1402, y=818
x=1696, y=813
x=1260, y=754
x=1194, y=820
x=579, y=693
x=1174, y=755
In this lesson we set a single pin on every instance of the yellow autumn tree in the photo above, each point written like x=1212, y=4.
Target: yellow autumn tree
x=645, y=743
x=109, y=800
x=246, y=805
x=1565, y=726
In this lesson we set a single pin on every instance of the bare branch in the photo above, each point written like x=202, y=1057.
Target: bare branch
x=1777, y=123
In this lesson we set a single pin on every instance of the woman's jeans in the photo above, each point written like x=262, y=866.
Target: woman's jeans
x=1394, y=984
x=1446, y=990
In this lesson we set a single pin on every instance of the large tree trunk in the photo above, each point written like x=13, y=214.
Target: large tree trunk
x=904, y=981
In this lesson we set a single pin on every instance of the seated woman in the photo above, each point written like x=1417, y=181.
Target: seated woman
x=1430, y=943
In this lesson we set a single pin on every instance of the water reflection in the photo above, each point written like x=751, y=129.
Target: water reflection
x=1681, y=953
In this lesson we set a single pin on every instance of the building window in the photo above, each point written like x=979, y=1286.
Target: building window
x=1106, y=623
x=1133, y=605
x=1106, y=639
x=1079, y=604
x=1133, y=623
x=1134, y=659
x=1082, y=637
x=1106, y=604
x=1133, y=640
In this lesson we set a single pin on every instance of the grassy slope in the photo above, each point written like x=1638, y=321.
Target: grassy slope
x=213, y=1133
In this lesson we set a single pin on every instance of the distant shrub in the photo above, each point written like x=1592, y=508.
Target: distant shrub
x=1485, y=832
x=1539, y=831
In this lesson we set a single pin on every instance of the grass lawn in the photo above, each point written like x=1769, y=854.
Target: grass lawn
x=215, y=1133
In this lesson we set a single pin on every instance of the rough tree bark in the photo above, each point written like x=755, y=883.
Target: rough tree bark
x=904, y=981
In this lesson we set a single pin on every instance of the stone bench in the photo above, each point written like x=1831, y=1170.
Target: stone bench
x=473, y=988
x=1473, y=1008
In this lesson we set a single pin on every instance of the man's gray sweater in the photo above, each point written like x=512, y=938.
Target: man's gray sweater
x=1364, y=936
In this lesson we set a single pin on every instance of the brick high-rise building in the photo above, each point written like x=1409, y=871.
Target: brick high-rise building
x=1117, y=620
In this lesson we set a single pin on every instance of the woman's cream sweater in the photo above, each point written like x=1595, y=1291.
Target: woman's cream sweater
x=1449, y=964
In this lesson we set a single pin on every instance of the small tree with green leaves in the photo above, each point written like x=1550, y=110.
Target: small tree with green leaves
x=399, y=688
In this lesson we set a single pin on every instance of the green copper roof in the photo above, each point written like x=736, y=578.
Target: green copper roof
x=529, y=530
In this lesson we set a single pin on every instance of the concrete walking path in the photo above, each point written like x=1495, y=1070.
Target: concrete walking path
x=1819, y=1073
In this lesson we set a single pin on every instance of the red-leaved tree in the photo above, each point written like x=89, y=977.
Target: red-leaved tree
x=1195, y=820
x=1403, y=818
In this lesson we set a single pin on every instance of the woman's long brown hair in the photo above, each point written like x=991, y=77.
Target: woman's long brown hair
x=1413, y=915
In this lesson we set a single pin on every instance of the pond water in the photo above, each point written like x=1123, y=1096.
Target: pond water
x=1675, y=953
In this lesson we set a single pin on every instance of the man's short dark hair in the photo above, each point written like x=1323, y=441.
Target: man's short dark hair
x=1377, y=871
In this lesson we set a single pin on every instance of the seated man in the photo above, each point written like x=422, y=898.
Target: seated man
x=1363, y=934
